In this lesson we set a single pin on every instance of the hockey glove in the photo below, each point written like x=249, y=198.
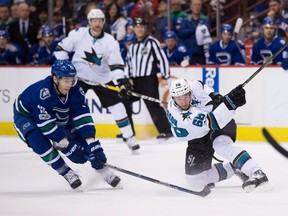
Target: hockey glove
x=216, y=99
x=126, y=88
x=285, y=64
x=96, y=155
x=235, y=98
x=75, y=153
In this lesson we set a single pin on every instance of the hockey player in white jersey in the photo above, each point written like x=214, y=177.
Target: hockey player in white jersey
x=205, y=120
x=97, y=59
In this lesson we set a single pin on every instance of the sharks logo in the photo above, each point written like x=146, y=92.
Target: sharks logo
x=93, y=58
x=186, y=115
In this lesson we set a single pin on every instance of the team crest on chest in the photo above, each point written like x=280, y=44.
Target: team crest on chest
x=93, y=58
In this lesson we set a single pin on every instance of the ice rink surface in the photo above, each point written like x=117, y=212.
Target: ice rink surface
x=30, y=187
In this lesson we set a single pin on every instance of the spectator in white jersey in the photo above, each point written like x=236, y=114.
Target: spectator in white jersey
x=205, y=120
x=227, y=51
x=145, y=59
x=98, y=61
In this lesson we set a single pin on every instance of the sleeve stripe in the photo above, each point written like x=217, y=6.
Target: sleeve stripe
x=213, y=125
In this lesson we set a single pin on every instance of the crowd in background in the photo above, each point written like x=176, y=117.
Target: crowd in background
x=27, y=38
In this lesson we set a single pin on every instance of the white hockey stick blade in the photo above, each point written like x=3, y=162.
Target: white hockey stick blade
x=238, y=25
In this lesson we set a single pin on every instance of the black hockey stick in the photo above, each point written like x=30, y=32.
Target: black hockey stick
x=118, y=89
x=202, y=193
x=268, y=61
x=274, y=143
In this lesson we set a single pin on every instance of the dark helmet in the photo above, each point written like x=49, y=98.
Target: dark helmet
x=268, y=21
x=170, y=34
x=129, y=38
x=226, y=28
x=63, y=68
x=139, y=21
x=46, y=31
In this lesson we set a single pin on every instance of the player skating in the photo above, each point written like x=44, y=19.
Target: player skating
x=51, y=116
x=205, y=120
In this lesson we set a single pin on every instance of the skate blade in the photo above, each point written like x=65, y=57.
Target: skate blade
x=265, y=186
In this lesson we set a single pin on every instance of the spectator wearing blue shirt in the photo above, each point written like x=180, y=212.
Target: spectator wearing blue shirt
x=176, y=53
x=128, y=39
x=8, y=52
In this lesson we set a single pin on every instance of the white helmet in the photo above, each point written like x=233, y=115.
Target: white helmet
x=179, y=87
x=95, y=13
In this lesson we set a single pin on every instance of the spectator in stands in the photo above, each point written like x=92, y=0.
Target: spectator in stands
x=128, y=39
x=59, y=30
x=102, y=5
x=24, y=30
x=43, y=17
x=280, y=17
x=226, y=51
x=65, y=8
x=45, y=54
x=268, y=45
x=5, y=17
x=14, y=11
x=129, y=26
x=160, y=19
x=126, y=7
x=36, y=7
x=177, y=53
x=195, y=32
x=116, y=21
x=8, y=52
x=177, y=15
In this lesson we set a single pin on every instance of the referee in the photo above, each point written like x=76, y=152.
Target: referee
x=145, y=59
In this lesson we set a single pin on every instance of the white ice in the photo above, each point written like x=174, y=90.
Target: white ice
x=30, y=187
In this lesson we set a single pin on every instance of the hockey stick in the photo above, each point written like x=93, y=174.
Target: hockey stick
x=202, y=193
x=237, y=28
x=118, y=89
x=268, y=61
x=274, y=143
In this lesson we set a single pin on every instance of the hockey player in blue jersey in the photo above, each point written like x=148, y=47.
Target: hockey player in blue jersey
x=226, y=51
x=176, y=52
x=268, y=45
x=51, y=116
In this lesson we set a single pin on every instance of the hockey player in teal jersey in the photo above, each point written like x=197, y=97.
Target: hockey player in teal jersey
x=51, y=116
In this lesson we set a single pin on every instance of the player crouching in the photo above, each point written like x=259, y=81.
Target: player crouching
x=51, y=116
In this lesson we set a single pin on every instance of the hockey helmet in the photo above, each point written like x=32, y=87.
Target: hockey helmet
x=267, y=21
x=226, y=28
x=95, y=14
x=139, y=21
x=179, y=87
x=170, y=34
x=46, y=31
x=63, y=68
x=4, y=34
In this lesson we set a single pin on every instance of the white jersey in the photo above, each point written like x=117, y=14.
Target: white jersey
x=96, y=59
x=199, y=119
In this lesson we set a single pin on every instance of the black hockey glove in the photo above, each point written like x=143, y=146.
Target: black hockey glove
x=96, y=155
x=126, y=88
x=235, y=98
x=217, y=99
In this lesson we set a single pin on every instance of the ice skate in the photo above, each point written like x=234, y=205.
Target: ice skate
x=73, y=179
x=163, y=137
x=243, y=177
x=257, y=179
x=132, y=143
x=109, y=177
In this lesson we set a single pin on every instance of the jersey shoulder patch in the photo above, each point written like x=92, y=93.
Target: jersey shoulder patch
x=44, y=93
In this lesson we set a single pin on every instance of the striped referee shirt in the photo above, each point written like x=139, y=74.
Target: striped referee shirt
x=145, y=58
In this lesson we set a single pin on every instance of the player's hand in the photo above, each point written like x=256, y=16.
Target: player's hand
x=235, y=98
x=75, y=153
x=96, y=155
x=126, y=88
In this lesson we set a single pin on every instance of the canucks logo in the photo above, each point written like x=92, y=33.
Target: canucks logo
x=93, y=58
x=44, y=93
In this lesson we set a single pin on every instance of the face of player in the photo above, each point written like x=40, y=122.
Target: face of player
x=183, y=101
x=64, y=84
x=3, y=42
x=269, y=32
x=96, y=25
x=226, y=37
x=48, y=40
x=140, y=31
x=171, y=43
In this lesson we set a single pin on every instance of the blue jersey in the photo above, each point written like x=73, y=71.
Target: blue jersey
x=226, y=54
x=45, y=54
x=9, y=55
x=262, y=51
x=55, y=116
x=180, y=53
